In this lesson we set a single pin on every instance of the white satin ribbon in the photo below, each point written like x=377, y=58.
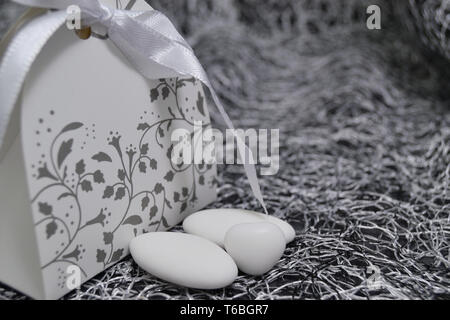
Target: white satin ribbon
x=148, y=39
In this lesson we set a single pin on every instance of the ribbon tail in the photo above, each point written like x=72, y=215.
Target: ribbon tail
x=243, y=149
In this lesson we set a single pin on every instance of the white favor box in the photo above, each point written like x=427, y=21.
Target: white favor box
x=86, y=165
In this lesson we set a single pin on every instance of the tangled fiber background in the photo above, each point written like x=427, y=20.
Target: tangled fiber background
x=364, y=119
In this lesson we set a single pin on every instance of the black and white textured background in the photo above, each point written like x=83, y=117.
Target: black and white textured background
x=365, y=138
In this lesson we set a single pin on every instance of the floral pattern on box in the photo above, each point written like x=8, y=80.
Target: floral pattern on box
x=88, y=205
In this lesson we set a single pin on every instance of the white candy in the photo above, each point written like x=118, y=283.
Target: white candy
x=213, y=224
x=255, y=247
x=184, y=259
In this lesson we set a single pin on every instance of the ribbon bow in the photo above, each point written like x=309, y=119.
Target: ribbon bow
x=152, y=45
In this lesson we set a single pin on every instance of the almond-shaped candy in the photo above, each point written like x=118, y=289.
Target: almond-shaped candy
x=255, y=247
x=213, y=224
x=184, y=259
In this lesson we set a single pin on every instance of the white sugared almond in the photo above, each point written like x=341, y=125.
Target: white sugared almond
x=213, y=224
x=255, y=247
x=184, y=259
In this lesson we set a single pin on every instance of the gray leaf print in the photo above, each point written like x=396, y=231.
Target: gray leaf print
x=169, y=176
x=64, y=195
x=153, y=211
x=164, y=222
x=133, y=220
x=153, y=164
x=109, y=191
x=45, y=208
x=117, y=255
x=144, y=149
x=154, y=94
x=108, y=237
x=120, y=193
x=64, y=150
x=80, y=167
x=143, y=126
x=51, y=228
x=101, y=256
x=102, y=157
x=144, y=203
x=142, y=167
x=86, y=186
x=71, y=126
x=98, y=177
x=165, y=92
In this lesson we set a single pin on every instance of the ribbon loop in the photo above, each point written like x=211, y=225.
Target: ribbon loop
x=155, y=48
